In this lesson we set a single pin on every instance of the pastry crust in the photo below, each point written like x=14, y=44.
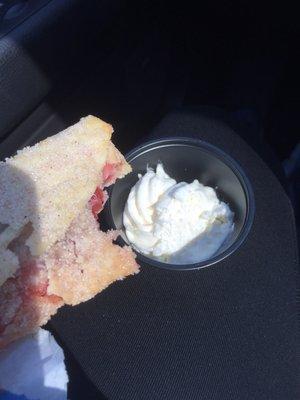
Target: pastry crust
x=86, y=261
x=52, y=251
x=63, y=167
x=50, y=183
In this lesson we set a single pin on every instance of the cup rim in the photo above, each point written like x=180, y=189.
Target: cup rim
x=225, y=158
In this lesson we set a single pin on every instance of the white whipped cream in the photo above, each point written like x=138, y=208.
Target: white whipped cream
x=175, y=222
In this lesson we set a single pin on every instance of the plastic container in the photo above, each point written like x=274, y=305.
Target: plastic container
x=186, y=159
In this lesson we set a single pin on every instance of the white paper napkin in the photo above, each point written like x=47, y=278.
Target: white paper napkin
x=34, y=367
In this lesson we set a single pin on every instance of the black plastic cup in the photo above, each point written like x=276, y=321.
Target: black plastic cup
x=186, y=159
